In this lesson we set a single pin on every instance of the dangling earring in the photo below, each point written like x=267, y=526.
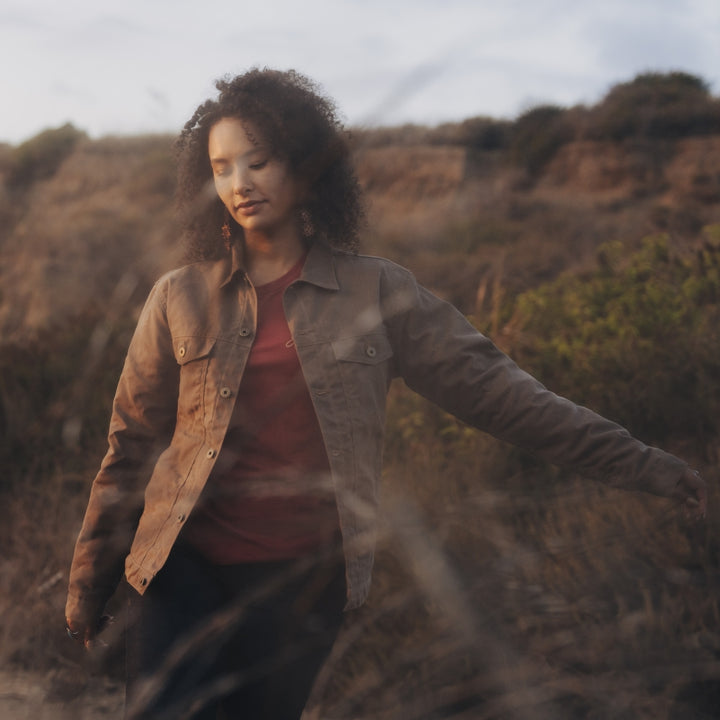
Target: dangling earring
x=306, y=224
x=226, y=232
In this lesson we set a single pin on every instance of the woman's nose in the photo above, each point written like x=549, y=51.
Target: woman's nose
x=242, y=184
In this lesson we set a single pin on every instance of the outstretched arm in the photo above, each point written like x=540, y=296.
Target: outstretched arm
x=441, y=356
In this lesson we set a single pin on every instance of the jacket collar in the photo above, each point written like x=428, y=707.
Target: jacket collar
x=319, y=268
x=233, y=263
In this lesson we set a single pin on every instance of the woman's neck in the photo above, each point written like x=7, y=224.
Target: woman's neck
x=267, y=259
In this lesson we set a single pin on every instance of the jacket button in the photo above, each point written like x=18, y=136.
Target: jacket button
x=182, y=351
x=226, y=392
x=370, y=351
x=211, y=454
x=244, y=332
x=143, y=582
x=181, y=517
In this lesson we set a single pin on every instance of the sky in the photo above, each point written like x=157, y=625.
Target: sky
x=142, y=66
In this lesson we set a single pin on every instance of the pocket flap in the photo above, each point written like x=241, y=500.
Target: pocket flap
x=189, y=348
x=367, y=349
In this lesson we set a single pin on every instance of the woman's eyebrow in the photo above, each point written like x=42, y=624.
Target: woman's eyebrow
x=224, y=159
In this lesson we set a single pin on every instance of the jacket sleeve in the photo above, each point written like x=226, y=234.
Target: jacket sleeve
x=443, y=357
x=141, y=426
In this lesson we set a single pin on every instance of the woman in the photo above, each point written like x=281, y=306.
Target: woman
x=253, y=398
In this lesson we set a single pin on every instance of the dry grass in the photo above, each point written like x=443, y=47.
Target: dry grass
x=581, y=602
x=497, y=594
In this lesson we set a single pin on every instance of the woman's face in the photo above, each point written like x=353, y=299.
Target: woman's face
x=255, y=186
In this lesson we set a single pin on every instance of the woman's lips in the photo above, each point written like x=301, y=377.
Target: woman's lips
x=248, y=208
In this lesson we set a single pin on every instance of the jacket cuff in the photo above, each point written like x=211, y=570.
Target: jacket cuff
x=86, y=608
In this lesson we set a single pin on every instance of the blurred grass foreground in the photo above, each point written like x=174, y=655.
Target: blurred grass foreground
x=586, y=242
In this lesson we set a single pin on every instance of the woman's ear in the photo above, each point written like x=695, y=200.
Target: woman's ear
x=302, y=191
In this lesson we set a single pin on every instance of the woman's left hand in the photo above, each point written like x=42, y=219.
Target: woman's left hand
x=692, y=492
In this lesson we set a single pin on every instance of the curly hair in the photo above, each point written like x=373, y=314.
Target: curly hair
x=301, y=126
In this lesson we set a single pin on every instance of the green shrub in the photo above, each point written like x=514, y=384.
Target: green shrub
x=537, y=135
x=39, y=158
x=656, y=105
x=639, y=340
x=476, y=133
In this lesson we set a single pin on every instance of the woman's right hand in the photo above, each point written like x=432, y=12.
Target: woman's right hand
x=85, y=630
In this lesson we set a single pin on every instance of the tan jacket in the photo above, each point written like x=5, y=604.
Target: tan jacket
x=357, y=322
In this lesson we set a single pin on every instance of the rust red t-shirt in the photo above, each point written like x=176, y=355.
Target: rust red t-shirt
x=270, y=495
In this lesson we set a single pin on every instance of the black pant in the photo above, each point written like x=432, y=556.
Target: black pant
x=241, y=641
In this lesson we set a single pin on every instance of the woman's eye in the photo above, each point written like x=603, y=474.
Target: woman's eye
x=258, y=165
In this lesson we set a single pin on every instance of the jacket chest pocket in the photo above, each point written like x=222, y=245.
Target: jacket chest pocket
x=193, y=354
x=364, y=363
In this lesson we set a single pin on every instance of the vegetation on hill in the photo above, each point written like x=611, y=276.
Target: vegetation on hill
x=645, y=327
x=586, y=242
x=39, y=157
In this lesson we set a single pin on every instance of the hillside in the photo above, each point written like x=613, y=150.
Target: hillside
x=104, y=217
x=456, y=217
